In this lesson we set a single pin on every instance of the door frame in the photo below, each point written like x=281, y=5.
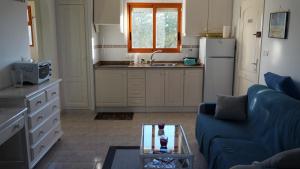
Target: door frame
x=88, y=12
x=239, y=47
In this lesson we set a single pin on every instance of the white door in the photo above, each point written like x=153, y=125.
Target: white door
x=155, y=87
x=72, y=54
x=174, y=87
x=249, y=45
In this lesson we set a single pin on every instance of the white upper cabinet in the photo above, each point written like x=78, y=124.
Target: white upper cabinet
x=220, y=14
x=107, y=12
x=196, y=17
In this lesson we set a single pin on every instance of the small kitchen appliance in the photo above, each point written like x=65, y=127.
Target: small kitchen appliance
x=34, y=72
x=190, y=61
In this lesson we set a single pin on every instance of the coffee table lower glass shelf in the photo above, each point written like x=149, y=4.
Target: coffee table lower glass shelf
x=154, y=154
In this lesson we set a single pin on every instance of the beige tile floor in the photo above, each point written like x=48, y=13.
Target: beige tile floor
x=86, y=141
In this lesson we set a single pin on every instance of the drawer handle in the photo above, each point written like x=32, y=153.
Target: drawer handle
x=42, y=147
x=54, y=107
x=55, y=120
x=40, y=118
x=38, y=102
x=41, y=133
x=16, y=127
x=53, y=93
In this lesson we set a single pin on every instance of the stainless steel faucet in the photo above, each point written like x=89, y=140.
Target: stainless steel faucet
x=152, y=55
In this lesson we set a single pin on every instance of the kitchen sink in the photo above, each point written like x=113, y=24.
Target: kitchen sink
x=163, y=64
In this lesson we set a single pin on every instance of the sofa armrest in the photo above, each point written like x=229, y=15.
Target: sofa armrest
x=249, y=167
x=207, y=108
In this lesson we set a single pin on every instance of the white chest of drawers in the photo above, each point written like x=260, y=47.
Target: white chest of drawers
x=42, y=119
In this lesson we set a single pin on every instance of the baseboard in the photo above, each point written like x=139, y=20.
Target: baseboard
x=147, y=109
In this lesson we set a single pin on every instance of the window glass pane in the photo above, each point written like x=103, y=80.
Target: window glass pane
x=30, y=35
x=166, y=28
x=142, y=27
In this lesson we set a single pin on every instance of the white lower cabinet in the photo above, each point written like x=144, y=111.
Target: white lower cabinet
x=155, y=87
x=43, y=117
x=111, y=88
x=193, y=87
x=152, y=88
x=136, y=88
x=174, y=87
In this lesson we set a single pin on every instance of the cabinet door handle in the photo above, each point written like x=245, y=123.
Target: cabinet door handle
x=53, y=93
x=56, y=132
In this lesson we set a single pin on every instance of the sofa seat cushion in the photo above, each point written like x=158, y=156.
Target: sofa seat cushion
x=225, y=153
x=209, y=128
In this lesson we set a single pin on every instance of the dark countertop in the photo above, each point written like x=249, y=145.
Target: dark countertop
x=121, y=64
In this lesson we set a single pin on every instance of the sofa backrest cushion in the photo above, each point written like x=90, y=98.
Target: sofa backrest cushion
x=283, y=84
x=275, y=117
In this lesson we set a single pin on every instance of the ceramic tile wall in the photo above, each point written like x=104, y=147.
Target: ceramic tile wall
x=112, y=46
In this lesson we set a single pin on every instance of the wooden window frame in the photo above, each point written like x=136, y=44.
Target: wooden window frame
x=29, y=23
x=154, y=6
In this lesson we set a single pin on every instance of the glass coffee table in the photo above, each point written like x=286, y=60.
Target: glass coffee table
x=175, y=155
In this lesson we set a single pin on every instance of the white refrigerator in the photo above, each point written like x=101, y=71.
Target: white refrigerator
x=217, y=55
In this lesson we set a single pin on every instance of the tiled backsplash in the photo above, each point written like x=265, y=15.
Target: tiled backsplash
x=112, y=46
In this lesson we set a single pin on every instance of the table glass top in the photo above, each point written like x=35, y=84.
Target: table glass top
x=153, y=136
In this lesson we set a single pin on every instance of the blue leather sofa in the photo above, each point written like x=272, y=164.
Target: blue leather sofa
x=272, y=126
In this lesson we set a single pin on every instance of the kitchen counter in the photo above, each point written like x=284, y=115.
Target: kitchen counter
x=124, y=65
x=27, y=90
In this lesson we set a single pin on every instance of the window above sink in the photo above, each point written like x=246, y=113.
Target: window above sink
x=154, y=26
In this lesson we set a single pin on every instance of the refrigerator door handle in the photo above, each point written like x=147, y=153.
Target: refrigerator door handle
x=217, y=57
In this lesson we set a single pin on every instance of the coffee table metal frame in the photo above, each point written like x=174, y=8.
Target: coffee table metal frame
x=186, y=156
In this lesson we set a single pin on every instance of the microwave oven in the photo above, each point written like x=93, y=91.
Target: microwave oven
x=34, y=73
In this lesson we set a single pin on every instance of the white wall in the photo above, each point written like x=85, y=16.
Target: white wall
x=284, y=55
x=47, y=27
x=13, y=37
x=236, y=16
x=111, y=35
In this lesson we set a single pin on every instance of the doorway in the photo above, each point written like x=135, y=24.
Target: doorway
x=249, y=45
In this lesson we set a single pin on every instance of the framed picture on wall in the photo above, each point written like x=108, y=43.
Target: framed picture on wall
x=279, y=25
